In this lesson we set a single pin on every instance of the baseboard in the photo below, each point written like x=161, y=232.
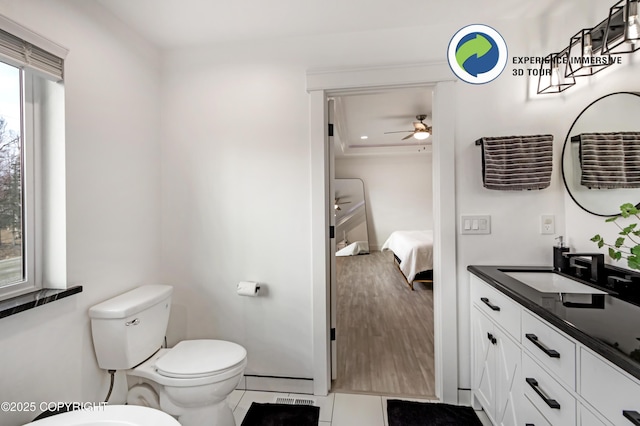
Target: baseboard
x=464, y=397
x=243, y=384
x=276, y=384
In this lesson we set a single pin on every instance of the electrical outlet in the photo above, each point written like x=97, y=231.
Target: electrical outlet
x=547, y=225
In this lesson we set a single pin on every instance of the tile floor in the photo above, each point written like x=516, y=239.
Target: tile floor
x=336, y=409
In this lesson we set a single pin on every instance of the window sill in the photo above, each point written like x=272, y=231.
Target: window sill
x=36, y=298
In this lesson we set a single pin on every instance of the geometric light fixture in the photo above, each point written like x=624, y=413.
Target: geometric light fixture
x=556, y=73
x=585, y=55
x=622, y=32
x=590, y=50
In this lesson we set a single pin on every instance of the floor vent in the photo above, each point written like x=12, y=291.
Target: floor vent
x=294, y=401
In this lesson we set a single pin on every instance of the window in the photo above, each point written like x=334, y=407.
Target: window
x=31, y=116
x=13, y=169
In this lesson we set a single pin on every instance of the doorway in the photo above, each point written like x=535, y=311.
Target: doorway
x=383, y=328
x=319, y=86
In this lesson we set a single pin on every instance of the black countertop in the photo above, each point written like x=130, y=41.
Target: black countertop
x=611, y=327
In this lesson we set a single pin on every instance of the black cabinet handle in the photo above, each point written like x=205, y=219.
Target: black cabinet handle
x=534, y=339
x=632, y=416
x=491, y=338
x=552, y=403
x=486, y=302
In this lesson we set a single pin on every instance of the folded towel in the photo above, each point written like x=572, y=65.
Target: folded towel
x=514, y=163
x=610, y=160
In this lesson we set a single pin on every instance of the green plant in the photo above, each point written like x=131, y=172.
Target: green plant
x=627, y=246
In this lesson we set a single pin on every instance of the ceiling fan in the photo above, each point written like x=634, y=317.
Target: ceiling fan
x=337, y=202
x=420, y=130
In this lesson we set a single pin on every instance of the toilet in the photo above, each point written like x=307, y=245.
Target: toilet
x=190, y=381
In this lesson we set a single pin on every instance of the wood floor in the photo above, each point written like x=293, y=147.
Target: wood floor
x=384, y=330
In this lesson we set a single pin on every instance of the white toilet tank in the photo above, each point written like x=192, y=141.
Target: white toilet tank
x=129, y=328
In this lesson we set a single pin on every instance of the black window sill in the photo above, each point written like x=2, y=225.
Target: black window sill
x=36, y=298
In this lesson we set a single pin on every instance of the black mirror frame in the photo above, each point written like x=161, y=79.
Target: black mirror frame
x=567, y=141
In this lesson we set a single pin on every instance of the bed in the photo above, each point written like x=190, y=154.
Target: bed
x=413, y=253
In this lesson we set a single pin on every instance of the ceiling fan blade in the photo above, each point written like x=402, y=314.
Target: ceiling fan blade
x=400, y=131
x=407, y=137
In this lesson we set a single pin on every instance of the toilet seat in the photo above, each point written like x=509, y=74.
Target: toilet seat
x=125, y=415
x=191, y=359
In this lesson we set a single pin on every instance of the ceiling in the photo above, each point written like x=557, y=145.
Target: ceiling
x=175, y=24
x=181, y=23
x=373, y=113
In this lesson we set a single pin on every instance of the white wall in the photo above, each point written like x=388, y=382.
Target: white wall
x=398, y=192
x=236, y=171
x=236, y=157
x=113, y=196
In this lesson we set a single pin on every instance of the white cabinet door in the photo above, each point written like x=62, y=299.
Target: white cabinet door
x=508, y=380
x=613, y=393
x=484, y=361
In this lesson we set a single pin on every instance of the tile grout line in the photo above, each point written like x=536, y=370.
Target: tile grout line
x=333, y=407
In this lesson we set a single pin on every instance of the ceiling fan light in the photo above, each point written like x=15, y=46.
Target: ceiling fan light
x=421, y=135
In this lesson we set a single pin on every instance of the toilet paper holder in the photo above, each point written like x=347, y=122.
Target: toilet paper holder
x=248, y=288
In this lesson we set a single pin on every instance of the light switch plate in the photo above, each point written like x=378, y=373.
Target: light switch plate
x=475, y=224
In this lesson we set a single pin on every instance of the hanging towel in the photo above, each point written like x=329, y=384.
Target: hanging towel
x=610, y=160
x=512, y=163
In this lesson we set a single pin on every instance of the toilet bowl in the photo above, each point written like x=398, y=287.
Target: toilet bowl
x=190, y=381
x=112, y=415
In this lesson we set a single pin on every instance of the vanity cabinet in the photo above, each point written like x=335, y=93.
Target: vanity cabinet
x=525, y=371
x=496, y=359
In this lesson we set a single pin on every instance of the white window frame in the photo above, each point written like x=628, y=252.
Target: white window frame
x=31, y=281
x=44, y=246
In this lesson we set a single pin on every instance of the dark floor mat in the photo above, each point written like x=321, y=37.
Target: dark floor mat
x=409, y=413
x=281, y=415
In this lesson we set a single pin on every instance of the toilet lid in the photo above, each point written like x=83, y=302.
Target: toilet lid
x=199, y=358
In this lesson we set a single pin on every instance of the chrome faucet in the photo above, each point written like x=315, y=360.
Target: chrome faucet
x=597, y=264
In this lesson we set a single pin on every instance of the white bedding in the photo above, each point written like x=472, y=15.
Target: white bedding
x=359, y=247
x=414, y=249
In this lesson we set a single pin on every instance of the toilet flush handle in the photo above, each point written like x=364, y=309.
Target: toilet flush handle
x=132, y=322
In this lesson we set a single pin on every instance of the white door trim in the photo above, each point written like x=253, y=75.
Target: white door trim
x=445, y=282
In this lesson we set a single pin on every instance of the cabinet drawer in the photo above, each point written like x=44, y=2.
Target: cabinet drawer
x=587, y=418
x=608, y=390
x=553, y=401
x=499, y=307
x=531, y=415
x=552, y=348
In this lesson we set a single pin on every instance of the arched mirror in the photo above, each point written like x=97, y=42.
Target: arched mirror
x=609, y=124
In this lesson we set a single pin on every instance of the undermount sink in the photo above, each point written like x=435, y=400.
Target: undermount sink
x=550, y=282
